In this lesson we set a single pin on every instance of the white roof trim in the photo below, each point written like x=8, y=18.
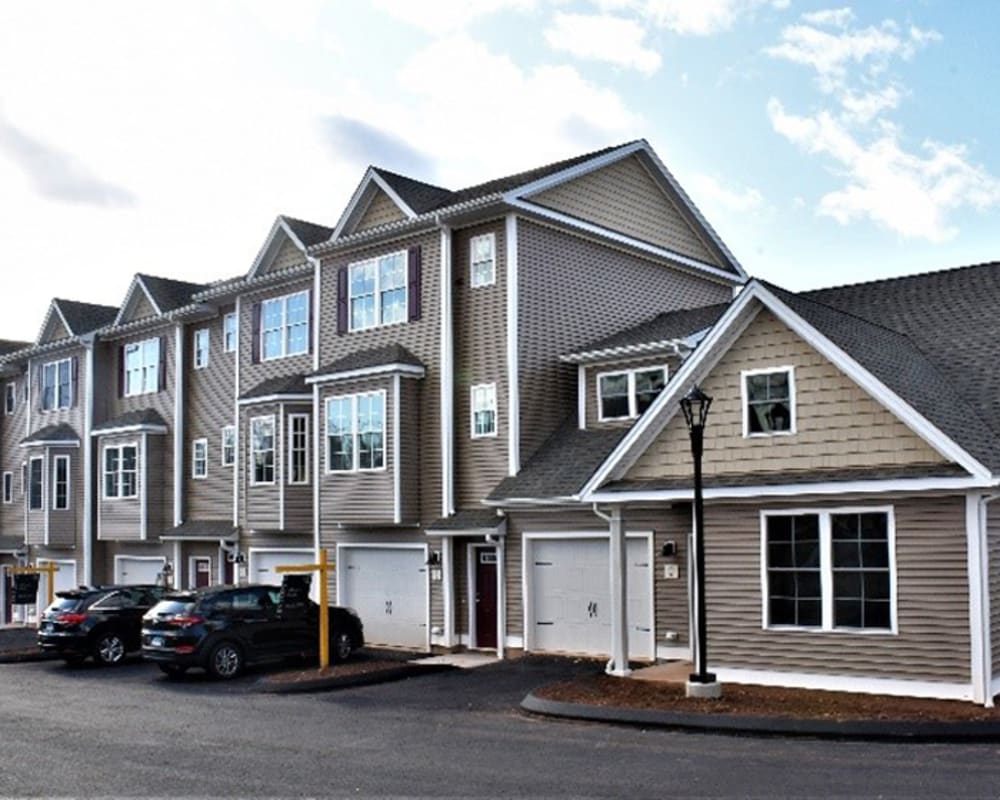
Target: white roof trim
x=139, y=428
x=275, y=398
x=651, y=424
x=50, y=443
x=366, y=372
x=370, y=176
x=268, y=250
x=136, y=281
x=54, y=306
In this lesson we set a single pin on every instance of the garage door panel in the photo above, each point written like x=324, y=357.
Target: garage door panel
x=138, y=570
x=263, y=565
x=388, y=588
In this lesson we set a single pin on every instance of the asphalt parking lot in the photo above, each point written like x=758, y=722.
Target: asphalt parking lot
x=131, y=732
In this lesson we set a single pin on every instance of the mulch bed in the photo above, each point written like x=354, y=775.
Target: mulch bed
x=762, y=701
x=348, y=668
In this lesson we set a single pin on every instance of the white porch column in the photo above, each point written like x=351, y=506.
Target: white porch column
x=448, y=589
x=618, y=665
x=501, y=595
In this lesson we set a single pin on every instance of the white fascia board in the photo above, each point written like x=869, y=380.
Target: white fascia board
x=275, y=398
x=908, y=415
x=290, y=233
x=499, y=530
x=701, y=267
x=370, y=177
x=157, y=429
x=873, y=486
x=404, y=370
x=575, y=171
x=50, y=443
x=385, y=187
x=278, y=226
x=662, y=346
x=53, y=309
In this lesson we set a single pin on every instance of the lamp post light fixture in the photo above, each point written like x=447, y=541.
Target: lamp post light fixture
x=695, y=405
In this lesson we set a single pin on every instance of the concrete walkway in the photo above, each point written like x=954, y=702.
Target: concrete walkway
x=667, y=672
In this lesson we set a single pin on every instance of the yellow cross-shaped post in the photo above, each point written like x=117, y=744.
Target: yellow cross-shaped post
x=49, y=569
x=323, y=568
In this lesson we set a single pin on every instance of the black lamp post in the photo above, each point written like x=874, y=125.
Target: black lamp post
x=695, y=407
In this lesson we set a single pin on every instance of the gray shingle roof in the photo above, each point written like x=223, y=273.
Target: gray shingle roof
x=309, y=233
x=11, y=346
x=85, y=317
x=468, y=519
x=169, y=294
x=145, y=416
x=198, y=529
x=375, y=357
x=668, y=326
x=62, y=432
x=282, y=385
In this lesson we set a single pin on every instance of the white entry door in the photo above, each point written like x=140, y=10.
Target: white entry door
x=139, y=569
x=387, y=586
x=571, y=596
x=263, y=564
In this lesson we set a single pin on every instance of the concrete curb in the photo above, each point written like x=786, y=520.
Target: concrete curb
x=882, y=730
x=349, y=681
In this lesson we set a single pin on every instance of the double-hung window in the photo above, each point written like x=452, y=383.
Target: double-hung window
x=262, y=449
x=229, y=333
x=228, y=445
x=626, y=394
x=36, y=467
x=298, y=448
x=60, y=483
x=830, y=570
x=121, y=471
x=768, y=402
x=201, y=348
x=378, y=291
x=199, y=458
x=483, y=260
x=484, y=410
x=355, y=428
x=57, y=382
x=8, y=488
x=284, y=327
x=142, y=367
x=9, y=398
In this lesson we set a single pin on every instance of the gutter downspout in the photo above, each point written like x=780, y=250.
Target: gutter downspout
x=618, y=664
x=178, y=429
x=88, y=467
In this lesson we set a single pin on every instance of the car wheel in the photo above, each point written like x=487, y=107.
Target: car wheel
x=225, y=661
x=342, y=646
x=172, y=670
x=109, y=649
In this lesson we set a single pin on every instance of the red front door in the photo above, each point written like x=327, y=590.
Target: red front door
x=486, y=597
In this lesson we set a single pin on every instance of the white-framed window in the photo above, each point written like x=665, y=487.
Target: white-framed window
x=228, y=445
x=484, y=410
x=24, y=478
x=9, y=398
x=355, y=432
x=142, y=367
x=298, y=448
x=262, y=450
x=625, y=394
x=284, y=326
x=829, y=569
x=8, y=488
x=378, y=291
x=57, y=384
x=121, y=471
x=229, y=333
x=483, y=260
x=199, y=458
x=60, y=483
x=36, y=477
x=201, y=348
x=768, y=401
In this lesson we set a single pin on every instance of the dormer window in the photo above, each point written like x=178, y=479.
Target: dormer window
x=626, y=394
x=768, y=402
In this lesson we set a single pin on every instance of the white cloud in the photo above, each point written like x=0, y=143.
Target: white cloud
x=837, y=17
x=710, y=192
x=602, y=37
x=693, y=17
x=441, y=17
x=910, y=195
x=863, y=107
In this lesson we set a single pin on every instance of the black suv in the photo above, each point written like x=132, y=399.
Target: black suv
x=102, y=621
x=224, y=628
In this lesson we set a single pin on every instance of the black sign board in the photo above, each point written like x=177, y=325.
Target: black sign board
x=26, y=589
x=294, y=590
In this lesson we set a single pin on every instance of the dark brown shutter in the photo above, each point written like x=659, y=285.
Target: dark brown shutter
x=254, y=333
x=74, y=381
x=309, y=332
x=162, y=378
x=342, y=300
x=414, y=265
x=121, y=370
x=38, y=385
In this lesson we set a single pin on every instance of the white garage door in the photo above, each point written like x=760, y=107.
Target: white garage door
x=263, y=564
x=131, y=570
x=571, y=596
x=388, y=588
x=65, y=579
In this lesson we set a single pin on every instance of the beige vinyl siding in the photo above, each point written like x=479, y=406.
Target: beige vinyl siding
x=141, y=308
x=480, y=353
x=381, y=211
x=260, y=503
x=932, y=589
x=592, y=409
x=838, y=425
x=252, y=374
x=993, y=556
x=421, y=337
x=624, y=198
x=12, y=515
x=208, y=407
x=64, y=525
x=573, y=291
x=288, y=255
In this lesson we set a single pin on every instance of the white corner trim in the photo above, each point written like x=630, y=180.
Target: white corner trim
x=319, y=424
x=397, y=467
x=513, y=387
x=844, y=683
x=447, y=385
x=238, y=437
x=179, y=358
x=88, y=468
x=316, y=306
x=143, y=486
x=279, y=462
x=980, y=657
x=581, y=397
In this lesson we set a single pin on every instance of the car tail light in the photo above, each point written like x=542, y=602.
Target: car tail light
x=184, y=648
x=185, y=621
x=71, y=619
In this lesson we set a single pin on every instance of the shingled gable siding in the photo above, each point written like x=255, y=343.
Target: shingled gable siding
x=572, y=291
x=252, y=374
x=623, y=197
x=121, y=518
x=141, y=307
x=288, y=255
x=116, y=404
x=669, y=595
x=421, y=337
x=838, y=425
x=622, y=365
x=993, y=556
x=480, y=353
x=11, y=456
x=55, y=330
x=208, y=407
x=381, y=211
x=932, y=589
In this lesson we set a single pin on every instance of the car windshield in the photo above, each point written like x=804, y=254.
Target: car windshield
x=171, y=608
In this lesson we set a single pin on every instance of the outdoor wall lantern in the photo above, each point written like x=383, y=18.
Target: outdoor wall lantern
x=669, y=549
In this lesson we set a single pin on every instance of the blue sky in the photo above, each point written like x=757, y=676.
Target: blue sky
x=826, y=143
